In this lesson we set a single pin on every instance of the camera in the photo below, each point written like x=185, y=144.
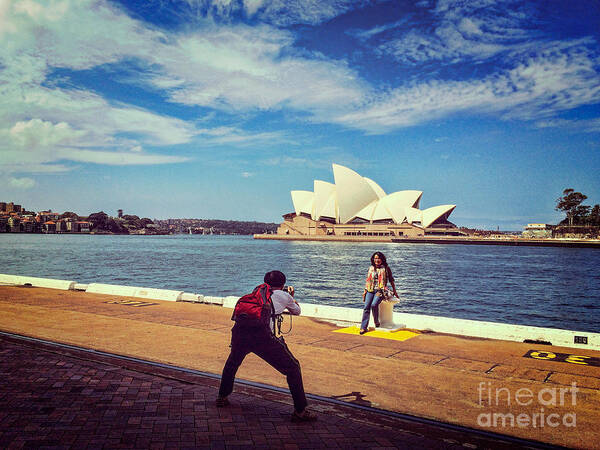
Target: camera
x=288, y=289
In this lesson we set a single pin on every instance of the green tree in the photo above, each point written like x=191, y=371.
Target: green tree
x=569, y=204
x=581, y=216
x=69, y=215
x=595, y=216
x=98, y=220
x=146, y=221
x=115, y=227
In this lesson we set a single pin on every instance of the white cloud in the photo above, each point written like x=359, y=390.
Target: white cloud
x=232, y=68
x=585, y=125
x=34, y=142
x=239, y=137
x=242, y=68
x=21, y=183
x=117, y=158
x=44, y=120
x=238, y=68
x=37, y=133
x=365, y=35
x=278, y=12
x=475, y=30
x=287, y=12
x=543, y=86
x=36, y=145
x=28, y=167
x=247, y=174
x=75, y=34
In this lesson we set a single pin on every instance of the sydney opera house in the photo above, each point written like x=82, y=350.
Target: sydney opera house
x=357, y=206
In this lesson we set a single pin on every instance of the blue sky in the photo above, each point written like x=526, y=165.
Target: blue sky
x=217, y=109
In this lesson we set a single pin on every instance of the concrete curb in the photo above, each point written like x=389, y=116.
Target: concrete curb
x=37, y=282
x=343, y=315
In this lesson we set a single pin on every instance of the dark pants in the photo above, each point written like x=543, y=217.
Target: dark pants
x=273, y=350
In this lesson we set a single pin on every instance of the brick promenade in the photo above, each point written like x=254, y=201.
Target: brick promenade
x=51, y=397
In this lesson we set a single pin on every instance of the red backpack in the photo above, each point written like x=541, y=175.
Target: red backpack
x=256, y=309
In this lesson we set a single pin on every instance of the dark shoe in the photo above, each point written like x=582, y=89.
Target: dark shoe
x=377, y=324
x=222, y=401
x=304, y=416
x=362, y=331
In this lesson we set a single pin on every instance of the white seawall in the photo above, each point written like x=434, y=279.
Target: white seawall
x=337, y=314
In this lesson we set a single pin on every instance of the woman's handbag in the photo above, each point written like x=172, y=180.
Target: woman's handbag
x=388, y=295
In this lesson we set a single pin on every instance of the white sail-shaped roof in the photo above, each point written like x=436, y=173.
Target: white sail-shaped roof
x=409, y=198
x=303, y=202
x=354, y=192
x=330, y=208
x=390, y=208
x=381, y=211
x=324, y=200
x=367, y=212
x=430, y=215
x=393, y=206
x=354, y=196
x=413, y=215
x=380, y=192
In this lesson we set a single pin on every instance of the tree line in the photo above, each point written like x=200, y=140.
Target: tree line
x=577, y=214
x=103, y=223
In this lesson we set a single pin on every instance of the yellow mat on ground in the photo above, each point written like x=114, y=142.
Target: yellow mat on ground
x=395, y=335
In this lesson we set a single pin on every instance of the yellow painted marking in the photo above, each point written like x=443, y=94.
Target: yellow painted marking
x=400, y=335
x=543, y=355
x=576, y=359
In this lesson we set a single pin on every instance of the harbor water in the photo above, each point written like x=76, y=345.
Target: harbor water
x=539, y=286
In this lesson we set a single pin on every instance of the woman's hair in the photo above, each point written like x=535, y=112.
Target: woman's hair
x=383, y=263
x=381, y=256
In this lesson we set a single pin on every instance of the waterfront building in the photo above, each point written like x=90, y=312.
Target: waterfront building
x=27, y=225
x=2, y=206
x=357, y=206
x=72, y=225
x=537, y=230
x=83, y=226
x=61, y=226
x=14, y=224
x=11, y=207
x=46, y=216
x=49, y=227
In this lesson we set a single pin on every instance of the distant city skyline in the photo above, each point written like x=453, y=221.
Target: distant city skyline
x=218, y=109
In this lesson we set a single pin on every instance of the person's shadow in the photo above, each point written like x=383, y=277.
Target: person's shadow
x=359, y=399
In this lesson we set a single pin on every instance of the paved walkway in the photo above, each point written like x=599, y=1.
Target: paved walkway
x=51, y=397
x=449, y=379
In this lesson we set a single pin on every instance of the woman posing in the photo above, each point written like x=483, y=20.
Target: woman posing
x=377, y=278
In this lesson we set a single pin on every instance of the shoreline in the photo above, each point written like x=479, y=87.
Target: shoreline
x=574, y=243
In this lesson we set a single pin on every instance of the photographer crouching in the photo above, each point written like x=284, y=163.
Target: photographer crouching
x=254, y=332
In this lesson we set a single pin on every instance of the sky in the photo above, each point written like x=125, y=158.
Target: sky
x=218, y=109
